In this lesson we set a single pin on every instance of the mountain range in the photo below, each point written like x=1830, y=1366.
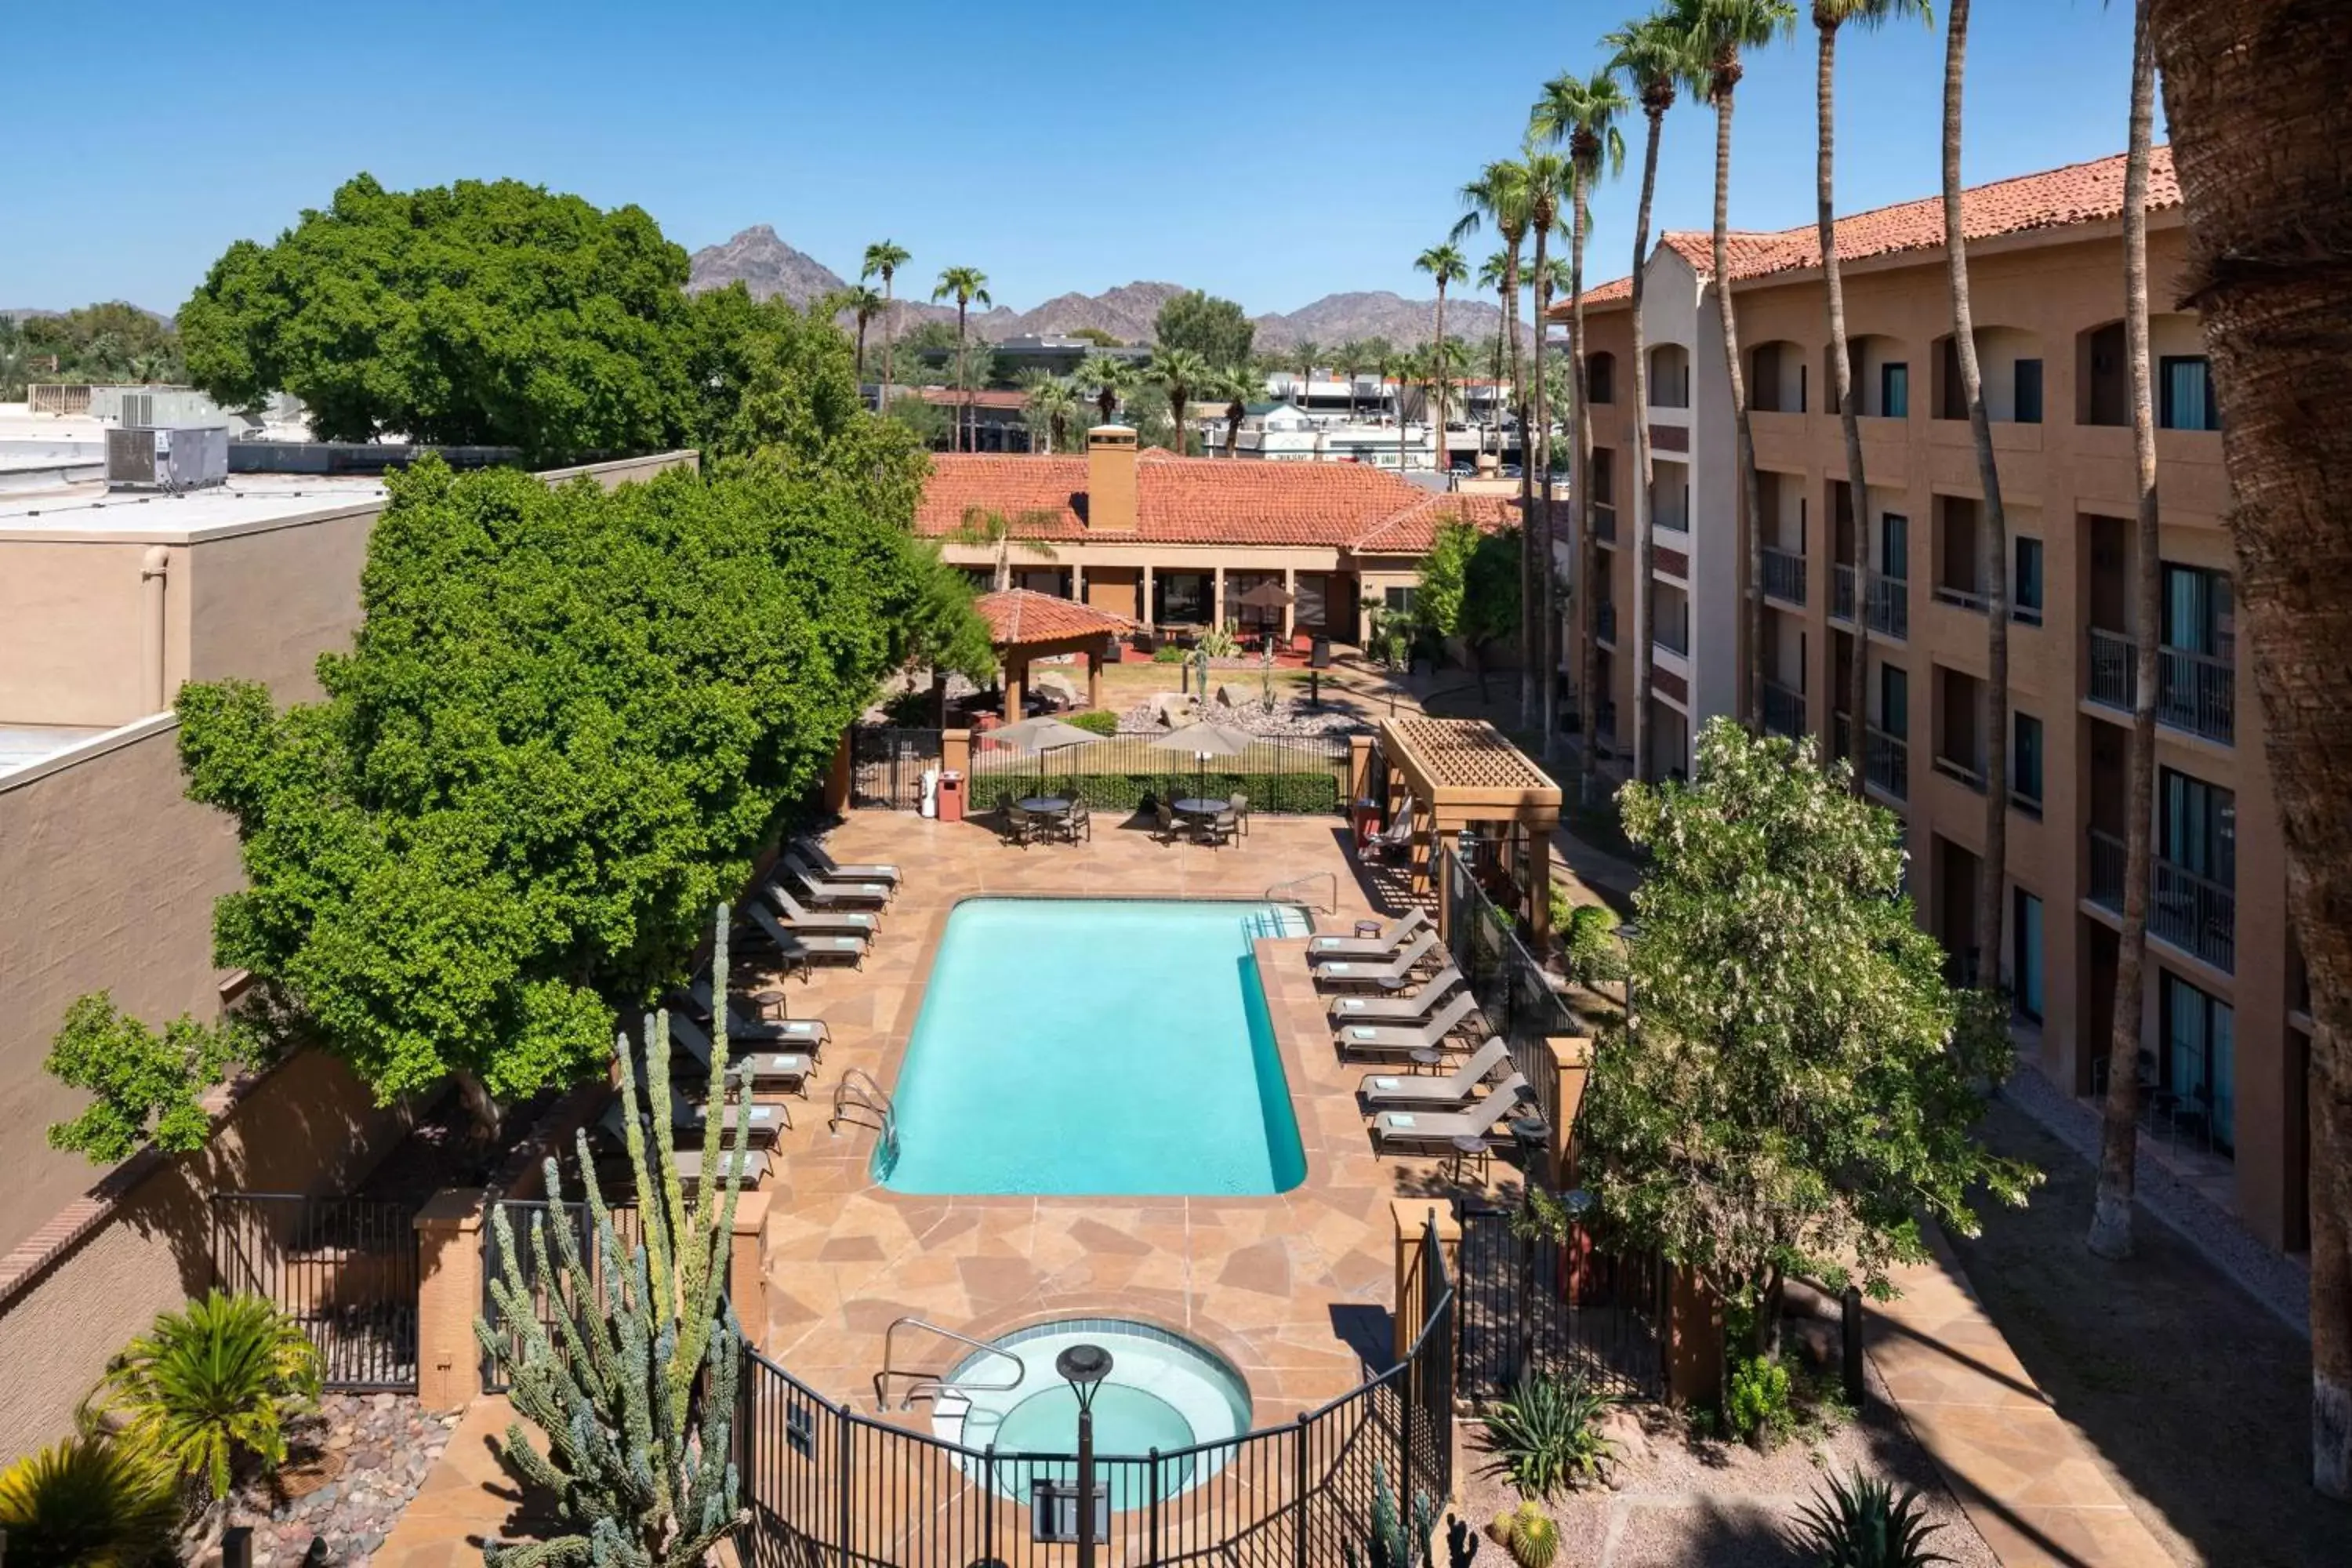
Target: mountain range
x=760, y=260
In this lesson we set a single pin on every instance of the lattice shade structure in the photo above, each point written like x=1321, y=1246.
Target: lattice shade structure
x=1464, y=773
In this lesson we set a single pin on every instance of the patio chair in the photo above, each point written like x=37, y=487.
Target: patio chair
x=1410, y=1009
x=795, y=917
x=1457, y=1016
x=1020, y=824
x=769, y=1069
x=1079, y=819
x=1238, y=808
x=1215, y=831
x=823, y=890
x=1396, y=835
x=1388, y=976
x=1399, y=1092
x=1392, y=936
x=1432, y=1132
x=1170, y=829
x=809, y=1032
x=803, y=948
x=751, y=1162
x=878, y=871
x=759, y=1124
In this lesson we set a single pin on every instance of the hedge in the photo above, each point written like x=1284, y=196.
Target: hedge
x=1282, y=793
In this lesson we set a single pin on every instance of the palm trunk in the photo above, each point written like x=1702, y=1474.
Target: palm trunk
x=1536, y=708
x=1752, y=688
x=2255, y=101
x=1494, y=404
x=861, y=355
x=1993, y=530
x=1848, y=416
x=1580, y=497
x=889, y=344
x=1643, y=542
x=1528, y=608
x=964, y=396
x=1440, y=351
x=2111, y=1214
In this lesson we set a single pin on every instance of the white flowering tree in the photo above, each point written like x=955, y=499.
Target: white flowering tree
x=1800, y=1086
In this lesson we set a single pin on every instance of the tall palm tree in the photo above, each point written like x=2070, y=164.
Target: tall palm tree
x=1446, y=266
x=992, y=531
x=1109, y=377
x=1829, y=15
x=1053, y=404
x=1721, y=30
x=883, y=259
x=1181, y=372
x=862, y=304
x=1992, y=528
x=1499, y=197
x=1303, y=353
x=1350, y=359
x=2254, y=102
x=965, y=285
x=1548, y=180
x=1657, y=54
x=2111, y=1211
x=1494, y=274
x=1583, y=113
x=1237, y=387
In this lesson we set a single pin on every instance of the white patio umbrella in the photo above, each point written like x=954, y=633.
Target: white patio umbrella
x=1034, y=737
x=1205, y=741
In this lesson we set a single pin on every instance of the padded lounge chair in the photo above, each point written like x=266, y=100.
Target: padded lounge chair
x=808, y=1032
x=1392, y=936
x=793, y=916
x=1396, y=1091
x=1390, y=975
x=874, y=871
x=769, y=1069
x=1410, y=1009
x=803, y=947
x=1459, y=1015
x=1397, y=836
x=1432, y=1132
x=754, y=1165
x=760, y=1125
x=824, y=891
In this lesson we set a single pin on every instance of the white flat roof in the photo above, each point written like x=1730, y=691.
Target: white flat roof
x=22, y=745
x=249, y=504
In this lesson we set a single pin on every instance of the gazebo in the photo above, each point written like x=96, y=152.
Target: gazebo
x=1465, y=774
x=1024, y=626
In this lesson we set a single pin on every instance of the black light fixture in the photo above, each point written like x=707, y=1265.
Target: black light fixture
x=1084, y=1367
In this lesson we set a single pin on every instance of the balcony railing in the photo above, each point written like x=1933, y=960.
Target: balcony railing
x=2194, y=913
x=1966, y=596
x=1968, y=770
x=1605, y=623
x=1890, y=606
x=1784, y=576
x=1887, y=762
x=1784, y=711
x=1842, y=592
x=2198, y=692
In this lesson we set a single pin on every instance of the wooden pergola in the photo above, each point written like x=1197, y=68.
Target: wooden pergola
x=1465, y=774
x=1024, y=627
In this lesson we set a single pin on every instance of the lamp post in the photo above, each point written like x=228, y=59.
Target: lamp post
x=1084, y=1367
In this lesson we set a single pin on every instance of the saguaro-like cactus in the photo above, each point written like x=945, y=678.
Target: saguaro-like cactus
x=635, y=1388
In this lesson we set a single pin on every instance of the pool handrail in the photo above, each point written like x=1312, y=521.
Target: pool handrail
x=1283, y=892
x=857, y=1093
x=932, y=1384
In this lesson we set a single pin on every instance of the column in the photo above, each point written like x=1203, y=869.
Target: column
x=448, y=1298
x=1016, y=685
x=746, y=1283
x=836, y=779
x=1217, y=597
x=1077, y=582
x=1093, y=677
x=1148, y=618
x=1411, y=1219
x=1426, y=870
x=1571, y=1065
x=1290, y=610
x=1694, y=1347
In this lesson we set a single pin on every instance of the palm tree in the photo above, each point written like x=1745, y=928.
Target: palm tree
x=1499, y=197
x=2111, y=1211
x=1992, y=870
x=1494, y=274
x=1656, y=55
x=1584, y=113
x=1720, y=30
x=883, y=259
x=1444, y=264
x=965, y=285
x=1053, y=404
x=1109, y=377
x=2254, y=102
x=1236, y=385
x=988, y=529
x=1305, y=352
x=1350, y=359
x=1182, y=371
x=863, y=305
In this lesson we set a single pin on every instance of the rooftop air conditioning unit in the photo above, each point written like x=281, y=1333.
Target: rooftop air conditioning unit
x=167, y=459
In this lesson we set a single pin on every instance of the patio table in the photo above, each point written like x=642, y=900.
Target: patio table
x=1046, y=804
x=1196, y=805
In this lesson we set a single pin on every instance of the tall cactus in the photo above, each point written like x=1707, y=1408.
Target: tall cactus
x=636, y=1389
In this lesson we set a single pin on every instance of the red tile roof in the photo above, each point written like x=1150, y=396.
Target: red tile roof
x=1207, y=500
x=2057, y=198
x=1019, y=615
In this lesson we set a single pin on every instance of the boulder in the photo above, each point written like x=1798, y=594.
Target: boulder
x=1060, y=687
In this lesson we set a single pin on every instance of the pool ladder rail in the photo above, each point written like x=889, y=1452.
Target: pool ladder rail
x=950, y=1399
x=859, y=1101
x=1288, y=893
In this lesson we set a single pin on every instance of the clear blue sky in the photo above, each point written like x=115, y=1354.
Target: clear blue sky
x=1272, y=154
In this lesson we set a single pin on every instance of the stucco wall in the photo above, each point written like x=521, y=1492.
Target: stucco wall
x=265, y=606
x=70, y=625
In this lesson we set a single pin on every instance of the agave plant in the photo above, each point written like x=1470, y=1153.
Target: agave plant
x=87, y=1502
x=1859, y=1523
x=1547, y=1433
x=205, y=1387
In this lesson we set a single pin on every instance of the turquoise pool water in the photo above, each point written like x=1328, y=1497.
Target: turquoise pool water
x=1096, y=1048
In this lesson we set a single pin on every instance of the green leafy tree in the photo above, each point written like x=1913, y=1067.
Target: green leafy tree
x=211, y=1387
x=488, y=312
x=1469, y=589
x=999, y=535
x=148, y=1088
x=1096, y=336
x=1214, y=329
x=108, y=342
x=1798, y=1086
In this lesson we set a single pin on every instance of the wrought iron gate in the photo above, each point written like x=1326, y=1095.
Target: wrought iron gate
x=342, y=1268
x=887, y=766
x=1559, y=1309
x=519, y=1217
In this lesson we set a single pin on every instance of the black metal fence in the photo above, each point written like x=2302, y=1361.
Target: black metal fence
x=520, y=1216
x=828, y=1486
x=1558, y=1309
x=1512, y=988
x=1306, y=777
x=887, y=766
x=344, y=1269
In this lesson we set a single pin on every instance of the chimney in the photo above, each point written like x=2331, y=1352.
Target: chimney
x=1110, y=480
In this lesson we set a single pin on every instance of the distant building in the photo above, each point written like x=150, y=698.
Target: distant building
x=1057, y=354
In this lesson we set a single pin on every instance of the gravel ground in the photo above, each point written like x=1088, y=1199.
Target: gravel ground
x=351, y=1470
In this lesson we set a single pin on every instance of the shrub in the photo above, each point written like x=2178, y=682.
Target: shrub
x=148, y=1086
x=1218, y=642
x=1169, y=653
x=1547, y=1433
x=207, y=1386
x=1859, y=1522
x=1594, y=953
x=87, y=1502
x=1756, y=1405
x=1094, y=721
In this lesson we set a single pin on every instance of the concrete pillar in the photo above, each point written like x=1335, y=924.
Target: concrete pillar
x=955, y=751
x=1217, y=597
x=1572, y=1066
x=746, y=1283
x=1694, y=1345
x=1016, y=685
x=1078, y=583
x=449, y=1299
x=1360, y=769
x=1426, y=872
x=1411, y=1219
x=1290, y=610
x=1148, y=619
x=1093, y=677
x=836, y=779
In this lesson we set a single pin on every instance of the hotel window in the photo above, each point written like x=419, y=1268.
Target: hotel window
x=1398, y=601
x=2197, y=617
x=1895, y=391
x=1601, y=370
x=1894, y=546
x=2025, y=762
x=2199, y=823
x=2026, y=601
x=2025, y=955
x=2185, y=384
x=2025, y=392
x=2199, y=1064
x=1895, y=700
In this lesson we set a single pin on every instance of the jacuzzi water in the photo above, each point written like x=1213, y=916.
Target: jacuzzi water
x=1096, y=1048
x=1164, y=1393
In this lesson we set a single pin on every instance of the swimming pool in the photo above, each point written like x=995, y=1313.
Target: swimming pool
x=1096, y=1048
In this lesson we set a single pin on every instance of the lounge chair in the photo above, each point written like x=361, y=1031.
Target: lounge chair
x=1387, y=976
x=1403, y=1040
x=1392, y=936
x=875, y=871
x=801, y=947
x=769, y=1069
x=1410, y=1009
x=824, y=890
x=1397, y=836
x=751, y=1162
x=793, y=916
x=1429, y=1131
x=759, y=1123
x=809, y=1032
x=1401, y=1092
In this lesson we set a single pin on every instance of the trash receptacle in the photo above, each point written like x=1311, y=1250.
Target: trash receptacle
x=950, y=797
x=1368, y=822
x=926, y=790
